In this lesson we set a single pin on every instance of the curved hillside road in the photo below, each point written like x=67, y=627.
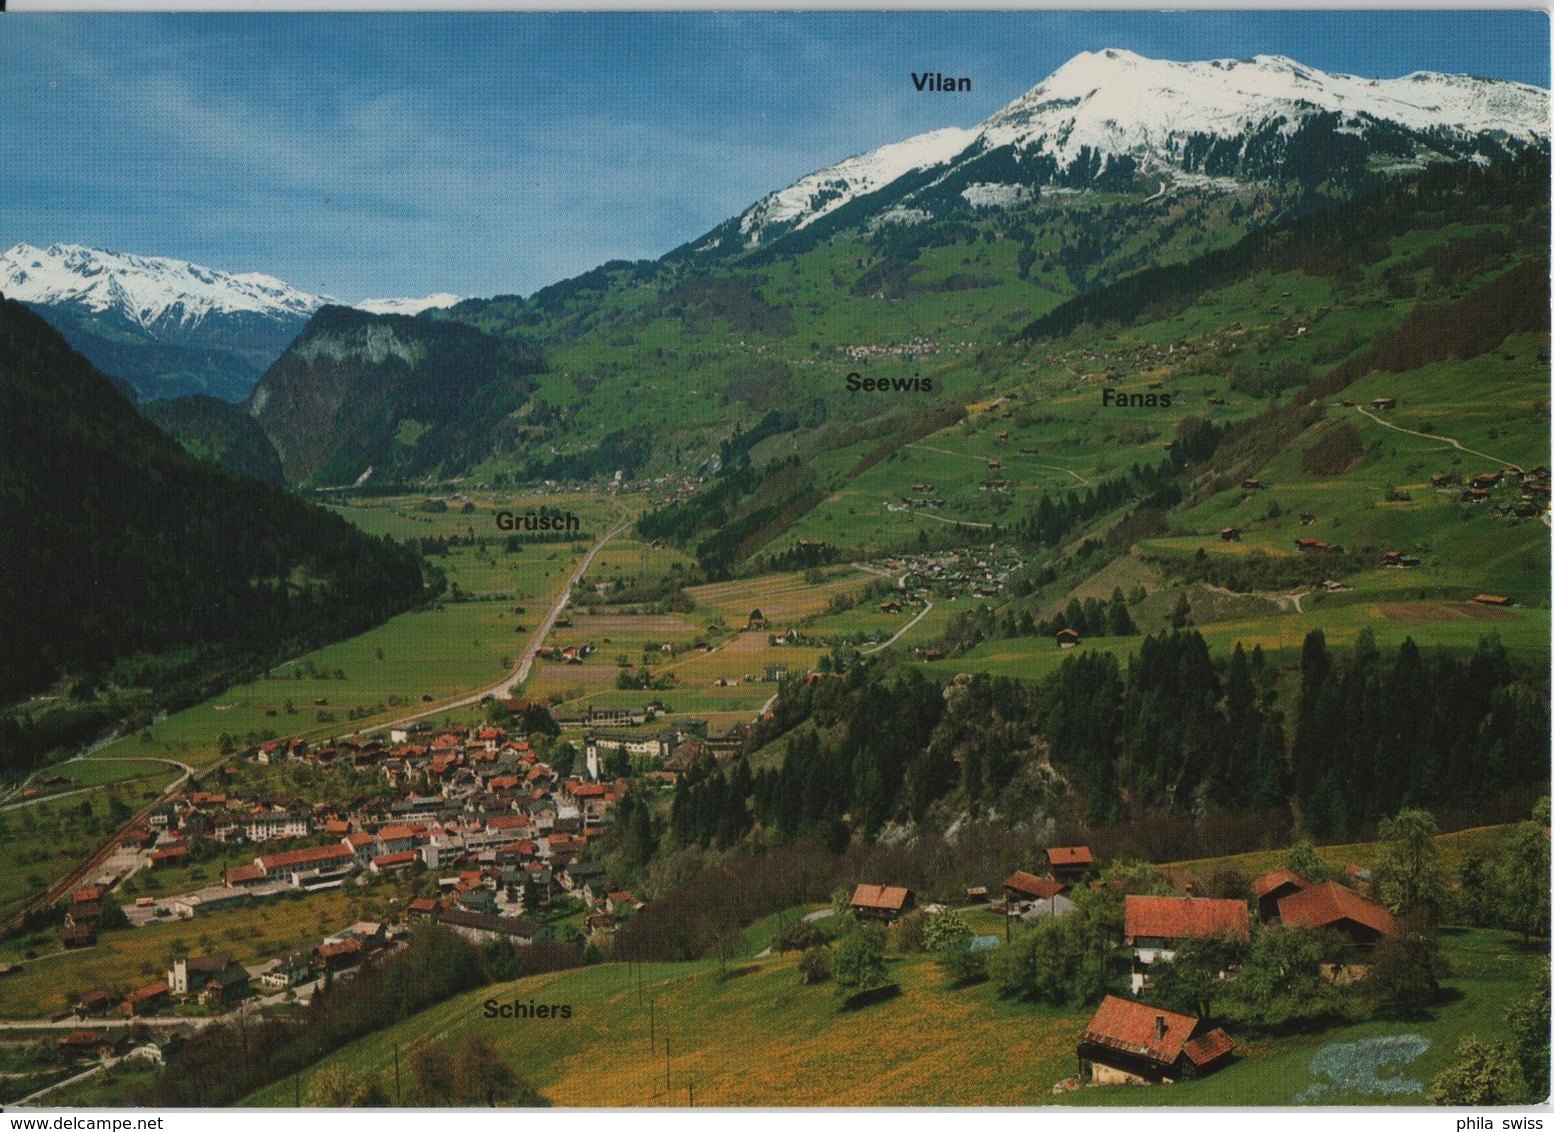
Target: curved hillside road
x=897, y=637
x=1452, y=441
x=188, y=772
x=505, y=686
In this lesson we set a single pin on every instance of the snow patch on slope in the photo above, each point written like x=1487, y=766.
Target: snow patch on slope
x=812, y=197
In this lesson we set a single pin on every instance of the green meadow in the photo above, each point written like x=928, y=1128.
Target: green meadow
x=889, y=1053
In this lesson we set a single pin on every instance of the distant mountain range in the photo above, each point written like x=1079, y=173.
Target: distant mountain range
x=346, y=394
x=167, y=326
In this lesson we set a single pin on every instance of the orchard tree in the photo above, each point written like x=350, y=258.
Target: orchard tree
x=1409, y=874
x=1280, y=982
x=1192, y=979
x=859, y=965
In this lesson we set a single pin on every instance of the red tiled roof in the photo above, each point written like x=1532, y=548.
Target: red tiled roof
x=169, y=854
x=396, y=833
x=389, y=860
x=514, y=821
x=144, y=994
x=1070, y=855
x=1326, y=904
x=357, y=840
x=1040, y=888
x=1206, y=1048
x=295, y=857
x=1266, y=883
x=883, y=896
x=1183, y=917
x=1133, y=1027
x=239, y=874
x=344, y=947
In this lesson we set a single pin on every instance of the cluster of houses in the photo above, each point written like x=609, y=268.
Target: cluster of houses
x=1127, y=1040
x=465, y=803
x=1531, y=487
x=913, y=348
x=980, y=573
x=218, y=982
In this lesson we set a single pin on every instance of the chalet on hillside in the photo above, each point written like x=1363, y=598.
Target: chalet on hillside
x=1230, y=534
x=1153, y=926
x=881, y=902
x=1492, y=599
x=1070, y=864
x=1067, y=638
x=1129, y=1043
x=1383, y=403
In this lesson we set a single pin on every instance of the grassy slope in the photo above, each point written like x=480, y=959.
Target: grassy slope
x=895, y=1052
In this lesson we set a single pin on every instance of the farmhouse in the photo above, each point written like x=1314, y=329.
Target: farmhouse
x=1023, y=886
x=1230, y=534
x=1316, y=546
x=1330, y=905
x=1129, y=1043
x=881, y=902
x=144, y=1000
x=1067, y=638
x=1070, y=864
x=1383, y=403
x=1154, y=925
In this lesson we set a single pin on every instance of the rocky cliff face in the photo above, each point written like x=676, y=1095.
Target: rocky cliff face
x=388, y=397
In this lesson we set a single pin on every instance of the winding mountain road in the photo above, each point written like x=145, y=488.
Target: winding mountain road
x=881, y=647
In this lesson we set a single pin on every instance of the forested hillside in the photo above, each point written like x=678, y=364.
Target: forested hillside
x=129, y=561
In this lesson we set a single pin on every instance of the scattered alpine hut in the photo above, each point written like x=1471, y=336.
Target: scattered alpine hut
x=1130, y=1043
x=881, y=902
x=1067, y=638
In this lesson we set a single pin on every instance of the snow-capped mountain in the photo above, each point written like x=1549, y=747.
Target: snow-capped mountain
x=440, y=301
x=1112, y=118
x=167, y=326
x=152, y=292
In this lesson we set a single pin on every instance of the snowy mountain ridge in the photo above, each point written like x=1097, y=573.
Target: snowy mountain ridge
x=1225, y=117
x=147, y=290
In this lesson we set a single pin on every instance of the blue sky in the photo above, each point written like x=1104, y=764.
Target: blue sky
x=382, y=154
